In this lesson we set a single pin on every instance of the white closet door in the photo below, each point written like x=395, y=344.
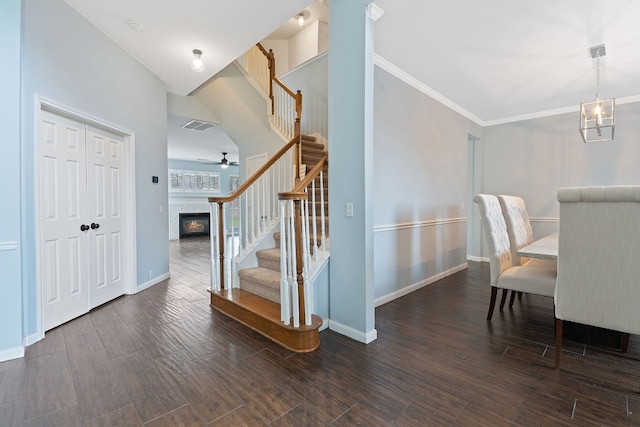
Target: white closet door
x=82, y=247
x=105, y=191
x=64, y=262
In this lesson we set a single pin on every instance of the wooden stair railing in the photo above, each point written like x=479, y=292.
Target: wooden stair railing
x=286, y=105
x=256, y=205
x=296, y=244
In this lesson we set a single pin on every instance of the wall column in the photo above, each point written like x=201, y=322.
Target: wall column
x=10, y=249
x=350, y=97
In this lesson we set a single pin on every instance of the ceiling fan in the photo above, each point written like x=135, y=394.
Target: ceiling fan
x=224, y=163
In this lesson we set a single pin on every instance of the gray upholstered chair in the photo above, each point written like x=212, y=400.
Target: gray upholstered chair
x=505, y=275
x=520, y=233
x=599, y=260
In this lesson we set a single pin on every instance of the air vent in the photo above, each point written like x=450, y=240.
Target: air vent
x=198, y=125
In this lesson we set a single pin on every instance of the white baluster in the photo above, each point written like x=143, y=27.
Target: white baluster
x=305, y=230
x=265, y=198
x=234, y=249
x=214, y=246
x=295, y=311
x=246, y=227
x=291, y=112
x=323, y=238
x=252, y=222
x=313, y=220
x=306, y=288
x=285, y=292
x=223, y=238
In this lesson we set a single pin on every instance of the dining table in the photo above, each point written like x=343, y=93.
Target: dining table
x=545, y=248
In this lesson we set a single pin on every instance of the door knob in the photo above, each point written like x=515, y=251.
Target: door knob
x=84, y=227
x=94, y=225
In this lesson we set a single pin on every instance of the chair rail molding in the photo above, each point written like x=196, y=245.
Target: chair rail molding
x=544, y=219
x=418, y=224
x=8, y=246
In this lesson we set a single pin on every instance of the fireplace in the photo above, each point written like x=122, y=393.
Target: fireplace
x=193, y=224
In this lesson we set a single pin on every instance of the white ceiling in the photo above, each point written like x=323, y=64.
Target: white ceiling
x=208, y=145
x=221, y=29
x=492, y=60
x=501, y=60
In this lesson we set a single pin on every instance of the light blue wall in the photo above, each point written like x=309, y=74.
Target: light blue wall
x=243, y=113
x=10, y=259
x=533, y=158
x=351, y=161
x=69, y=61
x=421, y=149
x=420, y=186
x=312, y=80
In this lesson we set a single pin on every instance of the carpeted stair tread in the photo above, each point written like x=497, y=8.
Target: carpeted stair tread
x=312, y=145
x=261, y=281
x=269, y=258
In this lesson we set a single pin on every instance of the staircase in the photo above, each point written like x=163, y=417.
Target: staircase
x=264, y=280
x=256, y=303
x=276, y=298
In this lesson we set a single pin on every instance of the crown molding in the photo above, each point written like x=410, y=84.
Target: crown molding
x=417, y=84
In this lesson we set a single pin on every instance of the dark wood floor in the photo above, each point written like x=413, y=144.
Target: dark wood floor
x=164, y=358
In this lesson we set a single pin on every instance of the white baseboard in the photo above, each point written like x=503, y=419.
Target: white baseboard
x=477, y=258
x=363, y=337
x=12, y=353
x=325, y=325
x=32, y=339
x=421, y=284
x=152, y=282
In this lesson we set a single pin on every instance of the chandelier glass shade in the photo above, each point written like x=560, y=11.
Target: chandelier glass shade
x=597, y=118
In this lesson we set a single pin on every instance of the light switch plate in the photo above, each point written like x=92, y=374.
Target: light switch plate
x=348, y=210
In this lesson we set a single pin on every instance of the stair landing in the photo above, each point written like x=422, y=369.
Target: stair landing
x=263, y=316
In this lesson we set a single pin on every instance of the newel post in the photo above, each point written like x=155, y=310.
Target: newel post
x=296, y=130
x=271, y=59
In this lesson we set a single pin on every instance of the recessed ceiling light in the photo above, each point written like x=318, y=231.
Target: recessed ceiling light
x=134, y=26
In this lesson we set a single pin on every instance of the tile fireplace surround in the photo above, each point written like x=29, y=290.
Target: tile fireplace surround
x=176, y=207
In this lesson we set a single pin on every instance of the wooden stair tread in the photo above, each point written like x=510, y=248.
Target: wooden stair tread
x=263, y=316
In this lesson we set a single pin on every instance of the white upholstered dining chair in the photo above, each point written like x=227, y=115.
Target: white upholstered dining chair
x=520, y=233
x=518, y=227
x=598, y=260
x=539, y=280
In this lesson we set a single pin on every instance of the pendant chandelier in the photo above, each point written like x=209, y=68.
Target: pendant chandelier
x=597, y=120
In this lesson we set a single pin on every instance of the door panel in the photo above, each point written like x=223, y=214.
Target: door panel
x=106, y=184
x=64, y=267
